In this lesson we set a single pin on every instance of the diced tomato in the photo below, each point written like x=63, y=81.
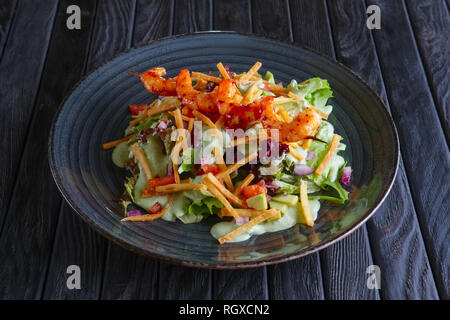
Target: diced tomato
x=253, y=190
x=155, y=182
x=136, y=108
x=209, y=168
x=155, y=208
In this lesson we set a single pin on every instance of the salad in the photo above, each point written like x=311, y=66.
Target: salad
x=259, y=156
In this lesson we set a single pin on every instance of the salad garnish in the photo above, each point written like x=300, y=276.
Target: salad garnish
x=238, y=146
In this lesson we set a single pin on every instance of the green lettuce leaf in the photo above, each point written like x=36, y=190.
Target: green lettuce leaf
x=316, y=91
x=205, y=207
x=269, y=77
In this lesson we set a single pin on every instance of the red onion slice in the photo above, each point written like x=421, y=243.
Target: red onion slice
x=310, y=155
x=133, y=213
x=241, y=220
x=302, y=170
x=346, y=176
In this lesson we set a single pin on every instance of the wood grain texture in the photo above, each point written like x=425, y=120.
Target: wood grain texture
x=7, y=13
x=250, y=284
x=232, y=15
x=153, y=20
x=192, y=15
x=27, y=238
x=345, y=262
x=299, y=279
x=110, y=35
x=431, y=22
x=396, y=240
x=419, y=129
x=19, y=58
x=75, y=244
x=184, y=283
x=271, y=19
x=128, y=275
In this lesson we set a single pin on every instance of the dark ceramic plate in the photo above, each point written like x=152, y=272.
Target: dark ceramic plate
x=97, y=111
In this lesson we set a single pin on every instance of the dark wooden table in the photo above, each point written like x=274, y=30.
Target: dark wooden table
x=407, y=62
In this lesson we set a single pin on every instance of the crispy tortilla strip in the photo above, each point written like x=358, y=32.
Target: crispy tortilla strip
x=180, y=126
x=114, y=143
x=222, y=71
x=295, y=154
x=243, y=212
x=271, y=213
x=176, y=187
x=208, y=122
x=284, y=114
x=245, y=139
x=144, y=115
x=333, y=146
x=231, y=197
x=216, y=193
x=276, y=88
x=151, y=217
x=219, y=123
x=142, y=159
x=191, y=125
x=163, y=107
x=304, y=203
x=200, y=83
x=222, y=166
x=237, y=165
x=306, y=144
x=281, y=100
x=205, y=77
x=252, y=71
x=175, y=156
x=244, y=183
x=252, y=93
x=320, y=112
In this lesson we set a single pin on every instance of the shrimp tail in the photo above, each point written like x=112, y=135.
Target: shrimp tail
x=154, y=82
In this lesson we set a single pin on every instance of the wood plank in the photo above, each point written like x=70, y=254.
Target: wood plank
x=232, y=15
x=128, y=275
x=28, y=234
x=249, y=283
x=192, y=16
x=75, y=244
x=348, y=259
x=109, y=36
x=272, y=19
x=431, y=24
x=19, y=58
x=299, y=279
x=394, y=230
x=415, y=114
x=7, y=13
x=181, y=283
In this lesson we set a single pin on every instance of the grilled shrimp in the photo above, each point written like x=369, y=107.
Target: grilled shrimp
x=154, y=82
x=194, y=99
x=303, y=126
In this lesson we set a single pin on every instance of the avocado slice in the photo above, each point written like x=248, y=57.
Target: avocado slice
x=258, y=202
x=287, y=199
x=278, y=205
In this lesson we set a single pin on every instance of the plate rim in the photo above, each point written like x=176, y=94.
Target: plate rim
x=221, y=265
